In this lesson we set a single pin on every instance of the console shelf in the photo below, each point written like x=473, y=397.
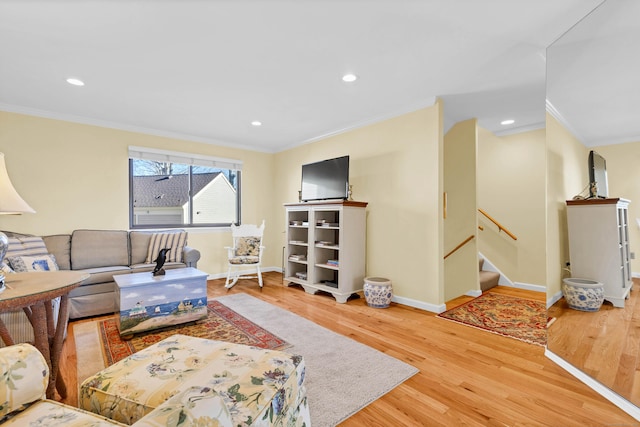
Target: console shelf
x=599, y=245
x=331, y=235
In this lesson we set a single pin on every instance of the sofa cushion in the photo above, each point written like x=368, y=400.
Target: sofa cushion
x=141, y=268
x=174, y=241
x=139, y=241
x=99, y=248
x=103, y=274
x=60, y=246
x=25, y=264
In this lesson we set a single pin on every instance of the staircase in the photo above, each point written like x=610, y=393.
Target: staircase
x=488, y=279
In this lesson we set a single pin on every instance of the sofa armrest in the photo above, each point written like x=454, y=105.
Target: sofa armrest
x=191, y=256
x=194, y=406
x=25, y=377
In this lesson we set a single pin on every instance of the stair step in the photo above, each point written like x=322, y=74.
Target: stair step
x=488, y=279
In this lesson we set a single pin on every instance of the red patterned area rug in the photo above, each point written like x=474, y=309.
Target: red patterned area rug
x=523, y=319
x=221, y=324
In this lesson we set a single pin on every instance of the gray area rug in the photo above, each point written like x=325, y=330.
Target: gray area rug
x=342, y=377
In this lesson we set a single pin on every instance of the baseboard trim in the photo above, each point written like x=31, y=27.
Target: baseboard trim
x=530, y=287
x=605, y=392
x=434, y=308
x=224, y=275
x=489, y=266
x=554, y=298
x=419, y=304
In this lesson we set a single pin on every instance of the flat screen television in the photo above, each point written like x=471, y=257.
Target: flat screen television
x=324, y=180
x=598, y=186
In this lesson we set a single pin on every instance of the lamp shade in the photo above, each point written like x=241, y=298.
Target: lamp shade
x=10, y=200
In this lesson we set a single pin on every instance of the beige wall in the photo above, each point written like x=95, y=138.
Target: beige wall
x=567, y=176
x=623, y=176
x=511, y=189
x=395, y=166
x=76, y=176
x=461, y=222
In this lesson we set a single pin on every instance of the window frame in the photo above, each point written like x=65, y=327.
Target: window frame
x=189, y=160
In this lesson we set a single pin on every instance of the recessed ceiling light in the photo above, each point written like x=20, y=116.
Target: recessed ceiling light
x=349, y=78
x=507, y=122
x=256, y=123
x=75, y=82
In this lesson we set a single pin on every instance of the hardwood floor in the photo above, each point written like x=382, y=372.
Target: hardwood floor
x=604, y=344
x=467, y=376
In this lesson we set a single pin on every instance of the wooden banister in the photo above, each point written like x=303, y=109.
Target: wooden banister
x=500, y=227
x=460, y=245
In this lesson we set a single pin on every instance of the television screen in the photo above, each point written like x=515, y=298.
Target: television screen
x=598, y=187
x=328, y=179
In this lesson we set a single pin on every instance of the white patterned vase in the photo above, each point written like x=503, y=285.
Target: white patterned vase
x=583, y=294
x=377, y=292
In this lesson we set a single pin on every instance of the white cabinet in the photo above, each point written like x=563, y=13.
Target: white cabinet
x=599, y=245
x=325, y=247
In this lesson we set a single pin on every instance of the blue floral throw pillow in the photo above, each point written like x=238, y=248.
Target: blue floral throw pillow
x=25, y=264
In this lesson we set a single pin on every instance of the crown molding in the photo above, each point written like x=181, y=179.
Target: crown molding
x=424, y=103
x=555, y=113
x=521, y=129
x=124, y=127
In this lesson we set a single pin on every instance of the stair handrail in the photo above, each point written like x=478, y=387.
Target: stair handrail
x=460, y=245
x=500, y=226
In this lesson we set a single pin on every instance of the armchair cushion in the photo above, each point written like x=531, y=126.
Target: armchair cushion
x=24, y=376
x=244, y=260
x=247, y=246
x=50, y=413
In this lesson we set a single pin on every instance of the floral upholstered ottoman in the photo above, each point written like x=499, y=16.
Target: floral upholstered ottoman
x=241, y=385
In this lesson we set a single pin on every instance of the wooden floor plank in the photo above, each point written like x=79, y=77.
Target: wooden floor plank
x=604, y=344
x=467, y=376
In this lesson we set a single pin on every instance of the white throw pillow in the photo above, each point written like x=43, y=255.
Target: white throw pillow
x=25, y=264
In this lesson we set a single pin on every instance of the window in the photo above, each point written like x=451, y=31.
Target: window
x=168, y=189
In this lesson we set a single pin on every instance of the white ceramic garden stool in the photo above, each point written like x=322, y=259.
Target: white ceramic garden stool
x=377, y=292
x=583, y=294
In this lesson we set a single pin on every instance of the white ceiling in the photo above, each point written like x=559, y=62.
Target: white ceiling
x=593, y=86
x=203, y=70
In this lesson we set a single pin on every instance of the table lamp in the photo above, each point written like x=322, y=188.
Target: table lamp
x=10, y=204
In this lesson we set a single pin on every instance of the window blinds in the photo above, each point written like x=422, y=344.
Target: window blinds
x=144, y=153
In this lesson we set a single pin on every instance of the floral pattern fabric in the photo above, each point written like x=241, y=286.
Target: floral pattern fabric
x=184, y=380
x=24, y=376
x=248, y=246
x=244, y=260
x=53, y=414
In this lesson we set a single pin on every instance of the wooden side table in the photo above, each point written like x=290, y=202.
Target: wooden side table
x=33, y=293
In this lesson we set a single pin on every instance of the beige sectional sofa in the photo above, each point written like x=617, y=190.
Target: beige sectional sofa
x=102, y=254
